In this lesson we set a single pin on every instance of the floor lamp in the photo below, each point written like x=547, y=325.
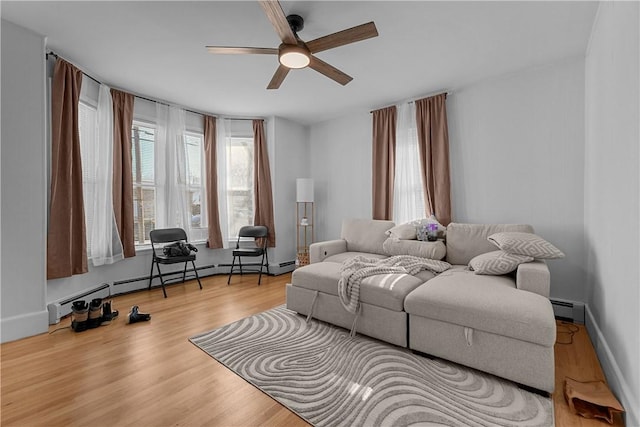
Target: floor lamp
x=304, y=219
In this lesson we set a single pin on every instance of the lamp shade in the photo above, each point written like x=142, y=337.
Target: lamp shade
x=304, y=190
x=292, y=56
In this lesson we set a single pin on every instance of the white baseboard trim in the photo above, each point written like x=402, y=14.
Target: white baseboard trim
x=24, y=325
x=614, y=375
x=274, y=269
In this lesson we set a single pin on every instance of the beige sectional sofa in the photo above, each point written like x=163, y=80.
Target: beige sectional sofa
x=501, y=324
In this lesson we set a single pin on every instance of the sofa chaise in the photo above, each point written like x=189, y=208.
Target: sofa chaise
x=501, y=324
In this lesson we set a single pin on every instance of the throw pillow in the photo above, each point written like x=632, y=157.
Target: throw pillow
x=431, y=250
x=525, y=244
x=497, y=262
x=403, y=232
x=442, y=230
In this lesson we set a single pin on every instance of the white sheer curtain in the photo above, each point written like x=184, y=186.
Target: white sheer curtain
x=171, y=159
x=223, y=129
x=106, y=247
x=408, y=198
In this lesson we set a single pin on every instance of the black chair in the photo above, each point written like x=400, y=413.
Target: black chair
x=170, y=235
x=258, y=250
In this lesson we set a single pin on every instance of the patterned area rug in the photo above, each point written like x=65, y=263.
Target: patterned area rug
x=329, y=379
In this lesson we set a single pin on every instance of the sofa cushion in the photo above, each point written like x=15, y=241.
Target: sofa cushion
x=322, y=276
x=431, y=250
x=425, y=275
x=365, y=235
x=465, y=241
x=383, y=290
x=497, y=262
x=487, y=303
x=525, y=244
x=403, y=232
x=342, y=257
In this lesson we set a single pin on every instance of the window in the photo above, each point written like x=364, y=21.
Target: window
x=408, y=198
x=239, y=168
x=194, y=155
x=147, y=191
x=96, y=151
x=144, y=188
x=88, y=129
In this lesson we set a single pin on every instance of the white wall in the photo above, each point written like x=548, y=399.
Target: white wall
x=517, y=148
x=24, y=190
x=612, y=196
x=290, y=161
x=516, y=154
x=341, y=167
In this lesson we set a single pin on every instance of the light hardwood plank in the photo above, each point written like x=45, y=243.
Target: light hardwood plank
x=575, y=358
x=149, y=374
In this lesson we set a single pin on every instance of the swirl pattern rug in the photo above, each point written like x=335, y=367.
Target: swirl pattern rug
x=330, y=379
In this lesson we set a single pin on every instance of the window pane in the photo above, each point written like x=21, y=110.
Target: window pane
x=239, y=183
x=144, y=193
x=194, y=159
x=196, y=209
x=144, y=213
x=87, y=129
x=142, y=154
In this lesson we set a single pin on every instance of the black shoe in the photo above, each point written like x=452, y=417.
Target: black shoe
x=135, y=316
x=95, y=313
x=107, y=314
x=79, y=316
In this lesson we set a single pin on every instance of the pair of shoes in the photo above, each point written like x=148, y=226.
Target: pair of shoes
x=108, y=314
x=91, y=315
x=135, y=316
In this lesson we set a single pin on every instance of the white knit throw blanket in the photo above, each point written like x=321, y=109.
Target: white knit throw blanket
x=360, y=267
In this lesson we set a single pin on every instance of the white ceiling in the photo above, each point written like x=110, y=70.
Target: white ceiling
x=156, y=49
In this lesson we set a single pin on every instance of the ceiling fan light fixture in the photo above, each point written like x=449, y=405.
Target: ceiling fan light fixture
x=292, y=56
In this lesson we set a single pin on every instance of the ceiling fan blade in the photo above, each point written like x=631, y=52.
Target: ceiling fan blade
x=330, y=71
x=242, y=50
x=341, y=38
x=279, y=21
x=278, y=77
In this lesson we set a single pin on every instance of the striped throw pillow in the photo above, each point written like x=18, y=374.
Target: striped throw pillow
x=497, y=262
x=525, y=244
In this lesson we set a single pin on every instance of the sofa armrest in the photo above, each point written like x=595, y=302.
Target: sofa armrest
x=320, y=250
x=534, y=277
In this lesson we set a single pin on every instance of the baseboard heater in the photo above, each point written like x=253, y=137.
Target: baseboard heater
x=286, y=264
x=568, y=310
x=59, y=309
x=244, y=264
x=170, y=277
x=274, y=269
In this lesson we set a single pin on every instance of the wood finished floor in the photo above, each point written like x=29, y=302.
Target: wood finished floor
x=149, y=374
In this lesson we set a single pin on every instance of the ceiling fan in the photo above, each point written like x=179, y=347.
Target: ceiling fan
x=295, y=53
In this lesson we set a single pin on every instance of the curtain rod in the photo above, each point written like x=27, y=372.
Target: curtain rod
x=55, y=55
x=411, y=102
